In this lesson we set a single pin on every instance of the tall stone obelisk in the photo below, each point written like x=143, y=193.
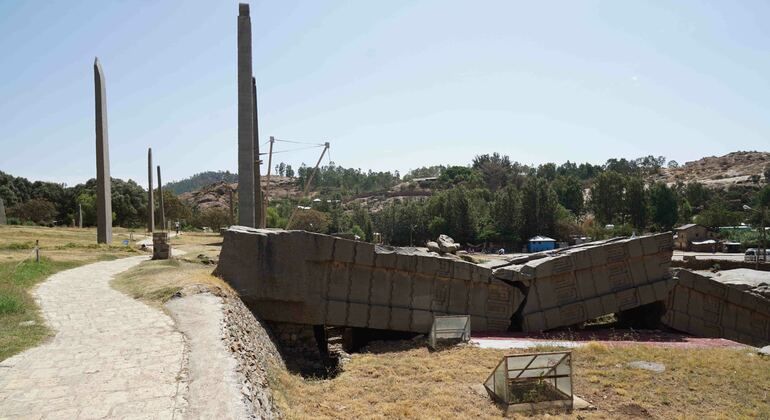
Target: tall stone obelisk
x=3, y=220
x=259, y=216
x=161, y=216
x=103, y=181
x=246, y=213
x=150, y=201
x=80, y=215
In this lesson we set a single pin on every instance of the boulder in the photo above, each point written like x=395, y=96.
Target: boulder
x=433, y=246
x=447, y=244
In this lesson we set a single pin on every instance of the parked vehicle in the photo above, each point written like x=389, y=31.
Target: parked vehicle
x=751, y=255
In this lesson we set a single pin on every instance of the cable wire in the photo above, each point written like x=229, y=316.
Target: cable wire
x=299, y=142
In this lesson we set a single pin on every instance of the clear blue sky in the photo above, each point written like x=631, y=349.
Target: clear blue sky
x=391, y=84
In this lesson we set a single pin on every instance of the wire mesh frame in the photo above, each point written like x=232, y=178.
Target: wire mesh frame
x=501, y=380
x=442, y=329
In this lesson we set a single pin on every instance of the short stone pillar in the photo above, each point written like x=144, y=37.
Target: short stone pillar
x=161, y=250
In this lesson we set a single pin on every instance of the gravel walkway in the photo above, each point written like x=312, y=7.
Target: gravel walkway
x=112, y=356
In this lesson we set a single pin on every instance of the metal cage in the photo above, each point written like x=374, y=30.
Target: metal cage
x=449, y=327
x=533, y=381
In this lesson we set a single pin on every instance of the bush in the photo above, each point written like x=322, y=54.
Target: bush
x=310, y=220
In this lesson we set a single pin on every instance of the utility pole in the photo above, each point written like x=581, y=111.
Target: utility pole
x=309, y=181
x=762, y=247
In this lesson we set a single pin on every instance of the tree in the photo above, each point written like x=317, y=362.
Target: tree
x=716, y=213
x=767, y=174
x=289, y=171
x=507, y=214
x=570, y=193
x=456, y=175
x=663, y=206
x=607, y=197
x=175, y=209
x=539, y=206
x=696, y=194
x=547, y=171
x=495, y=169
x=35, y=210
x=672, y=164
x=214, y=218
x=636, y=202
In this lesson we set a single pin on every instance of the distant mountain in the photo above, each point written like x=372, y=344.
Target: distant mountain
x=201, y=180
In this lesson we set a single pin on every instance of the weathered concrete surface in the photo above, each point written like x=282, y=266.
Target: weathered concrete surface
x=214, y=387
x=581, y=283
x=103, y=181
x=706, y=307
x=306, y=278
x=111, y=356
x=246, y=212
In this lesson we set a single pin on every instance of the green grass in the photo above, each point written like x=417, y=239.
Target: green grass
x=17, y=307
x=13, y=246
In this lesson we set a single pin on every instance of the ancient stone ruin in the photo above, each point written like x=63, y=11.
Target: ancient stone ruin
x=305, y=278
x=3, y=220
x=150, y=200
x=246, y=154
x=161, y=208
x=103, y=181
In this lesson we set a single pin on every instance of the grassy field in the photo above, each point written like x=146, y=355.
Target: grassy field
x=21, y=325
x=72, y=244
x=411, y=382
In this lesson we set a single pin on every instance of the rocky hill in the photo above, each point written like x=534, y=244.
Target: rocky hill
x=737, y=168
x=217, y=195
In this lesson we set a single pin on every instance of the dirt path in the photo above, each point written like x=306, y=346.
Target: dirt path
x=113, y=356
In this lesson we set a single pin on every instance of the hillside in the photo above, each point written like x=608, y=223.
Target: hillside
x=736, y=168
x=217, y=195
x=198, y=181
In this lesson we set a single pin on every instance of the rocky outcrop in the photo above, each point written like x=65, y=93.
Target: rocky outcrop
x=736, y=168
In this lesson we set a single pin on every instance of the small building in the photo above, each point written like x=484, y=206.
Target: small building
x=541, y=243
x=687, y=234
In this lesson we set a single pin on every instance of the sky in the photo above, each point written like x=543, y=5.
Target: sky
x=392, y=85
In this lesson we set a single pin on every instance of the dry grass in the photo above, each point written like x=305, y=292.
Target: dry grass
x=415, y=383
x=71, y=244
x=198, y=243
x=157, y=281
